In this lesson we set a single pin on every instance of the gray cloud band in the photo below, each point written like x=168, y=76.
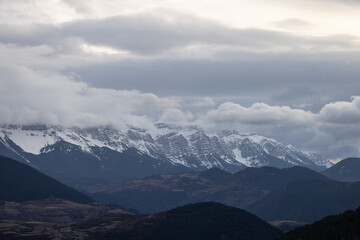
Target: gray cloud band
x=147, y=34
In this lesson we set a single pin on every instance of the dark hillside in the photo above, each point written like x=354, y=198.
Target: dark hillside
x=345, y=226
x=19, y=182
x=347, y=170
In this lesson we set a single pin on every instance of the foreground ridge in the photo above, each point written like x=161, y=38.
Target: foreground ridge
x=207, y=220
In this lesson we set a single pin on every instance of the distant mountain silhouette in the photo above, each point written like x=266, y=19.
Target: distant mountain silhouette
x=343, y=226
x=307, y=200
x=19, y=182
x=347, y=170
x=163, y=192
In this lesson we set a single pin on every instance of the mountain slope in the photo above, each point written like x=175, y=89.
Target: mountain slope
x=343, y=226
x=347, y=170
x=307, y=200
x=197, y=221
x=70, y=164
x=19, y=182
x=107, y=154
x=162, y=192
x=54, y=210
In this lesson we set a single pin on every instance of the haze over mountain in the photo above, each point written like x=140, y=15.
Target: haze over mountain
x=89, y=155
x=347, y=170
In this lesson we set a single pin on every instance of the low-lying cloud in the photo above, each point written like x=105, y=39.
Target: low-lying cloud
x=333, y=131
x=32, y=97
x=261, y=114
x=235, y=115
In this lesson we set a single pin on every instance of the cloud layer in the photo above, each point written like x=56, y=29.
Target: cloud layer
x=261, y=114
x=152, y=33
x=31, y=97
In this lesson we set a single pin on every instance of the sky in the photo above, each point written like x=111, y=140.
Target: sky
x=289, y=70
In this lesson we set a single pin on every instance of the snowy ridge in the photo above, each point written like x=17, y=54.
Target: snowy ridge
x=187, y=146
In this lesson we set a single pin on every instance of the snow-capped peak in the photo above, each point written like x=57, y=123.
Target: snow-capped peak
x=189, y=146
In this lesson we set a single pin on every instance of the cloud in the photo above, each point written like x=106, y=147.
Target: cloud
x=80, y=6
x=276, y=79
x=79, y=68
x=344, y=1
x=176, y=117
x=203, y=102
x=153, y=33
x=342, y=112
x=32, y=97
x=261, y=114
x=293, y=24
x=333, y=130
x=236, y=116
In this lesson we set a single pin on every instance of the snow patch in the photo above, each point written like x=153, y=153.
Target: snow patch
x=32, y=141
x=240, y=159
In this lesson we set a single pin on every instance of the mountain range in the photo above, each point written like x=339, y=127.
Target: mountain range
x=32, y=205
x=87, y=156
x=297, y=193
x=35, y=206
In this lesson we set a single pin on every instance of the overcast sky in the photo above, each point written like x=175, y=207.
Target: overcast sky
x=287, y=69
